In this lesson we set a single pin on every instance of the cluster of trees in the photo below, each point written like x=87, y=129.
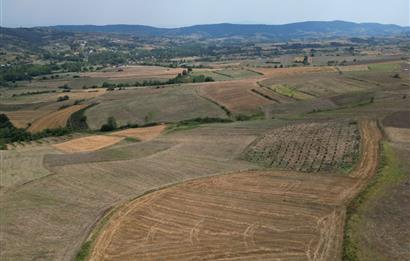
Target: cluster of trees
x=63, y=98
x=26, y=72
x=110, y=125
x=10, y=134
x=187, y=77
x=108, y=57
x=32, y=93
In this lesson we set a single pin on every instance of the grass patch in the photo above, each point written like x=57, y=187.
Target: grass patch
x=285, y=90
x=215, y=76
x=132, y=139
x=236, y=73
x=84, y=251
x=384, y=67
x=78, y=120
x=389, y=174
x=193, y=123
x=88, y=245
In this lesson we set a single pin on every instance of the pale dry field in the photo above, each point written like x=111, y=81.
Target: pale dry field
x=19, y=166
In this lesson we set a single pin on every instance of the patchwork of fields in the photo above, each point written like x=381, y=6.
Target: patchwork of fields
x=271, y=177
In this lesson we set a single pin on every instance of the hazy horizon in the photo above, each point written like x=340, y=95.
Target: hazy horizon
x=162, y=13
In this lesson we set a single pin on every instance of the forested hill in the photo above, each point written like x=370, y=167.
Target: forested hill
x=287, y=31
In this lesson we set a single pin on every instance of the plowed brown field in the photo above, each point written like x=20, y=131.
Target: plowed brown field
x=243, y=216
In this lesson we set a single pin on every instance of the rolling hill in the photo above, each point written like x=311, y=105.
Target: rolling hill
x=310, y=29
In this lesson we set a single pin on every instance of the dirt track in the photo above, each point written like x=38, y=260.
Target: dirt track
x=248, y=216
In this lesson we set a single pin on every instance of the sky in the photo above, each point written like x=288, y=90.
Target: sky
x=177, y=13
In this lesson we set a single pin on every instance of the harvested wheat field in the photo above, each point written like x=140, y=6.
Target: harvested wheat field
x=246, y=216
x=86, y=144
x=265, y=215
x=56, y=119
x=143, y=134
x=237, y=96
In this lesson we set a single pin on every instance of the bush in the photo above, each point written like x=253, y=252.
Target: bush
x=242, y=117
x=63, y=98
x=110, y=125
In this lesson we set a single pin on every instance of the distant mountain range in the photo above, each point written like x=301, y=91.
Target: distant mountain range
x=287, y=31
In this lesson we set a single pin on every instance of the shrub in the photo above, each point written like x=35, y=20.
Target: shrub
x=110, y=125
x=63, y=98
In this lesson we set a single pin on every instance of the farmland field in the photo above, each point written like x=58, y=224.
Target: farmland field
x=236, y=96
x=141, y=106
x=131, y=142
x=241, y=216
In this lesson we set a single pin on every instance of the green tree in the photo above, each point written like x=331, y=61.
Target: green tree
x=110, y=125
